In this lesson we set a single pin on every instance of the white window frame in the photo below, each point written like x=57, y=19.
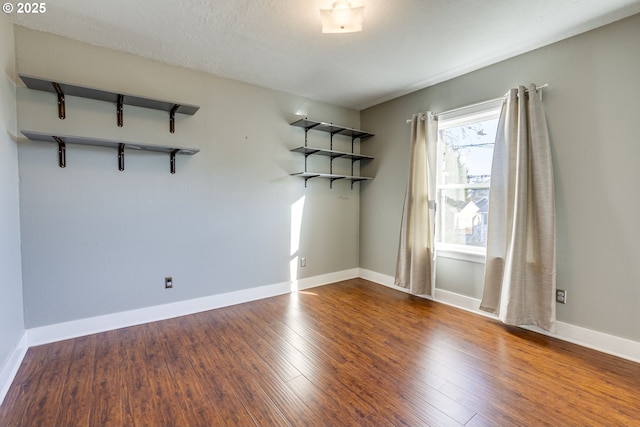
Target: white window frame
x=454, y=119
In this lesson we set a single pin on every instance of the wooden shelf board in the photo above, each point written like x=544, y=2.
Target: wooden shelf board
x=39, y=83
x=331, y=176
x=331, y=128
x=331, y=153
x=81, y=140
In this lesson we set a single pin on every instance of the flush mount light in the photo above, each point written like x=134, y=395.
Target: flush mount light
x=342, y=18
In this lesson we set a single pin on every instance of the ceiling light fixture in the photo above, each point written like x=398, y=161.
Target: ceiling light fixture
x=342, y=18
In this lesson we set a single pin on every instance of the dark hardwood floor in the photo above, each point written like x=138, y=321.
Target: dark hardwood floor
x=346, y=354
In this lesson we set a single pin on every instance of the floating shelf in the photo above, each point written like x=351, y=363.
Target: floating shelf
x=120, y=99
x=62, y=140
x=354, y=134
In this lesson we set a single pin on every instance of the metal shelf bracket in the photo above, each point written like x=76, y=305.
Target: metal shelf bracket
x=119, y=110
x=172, y=118
x=61, y=106
x=307, y=178
x=121, y=157
x=334, y=179
x=62, y=152
x=172, y=160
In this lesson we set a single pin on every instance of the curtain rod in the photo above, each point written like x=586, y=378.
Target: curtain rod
x=488, y=101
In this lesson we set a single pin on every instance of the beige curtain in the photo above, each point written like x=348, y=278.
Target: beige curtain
x=415, y=265
x=520, y=274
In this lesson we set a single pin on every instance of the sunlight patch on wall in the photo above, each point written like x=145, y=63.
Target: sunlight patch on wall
x=297, y=210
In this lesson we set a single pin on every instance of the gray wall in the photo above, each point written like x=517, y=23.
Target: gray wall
x=592, y=110
x=96, y=240
x=11, y=315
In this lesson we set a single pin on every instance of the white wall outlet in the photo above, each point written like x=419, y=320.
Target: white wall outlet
x=561, y=296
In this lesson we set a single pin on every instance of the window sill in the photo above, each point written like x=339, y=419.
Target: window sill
x=461, y=253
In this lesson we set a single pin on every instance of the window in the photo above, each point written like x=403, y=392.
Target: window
x=465, y=152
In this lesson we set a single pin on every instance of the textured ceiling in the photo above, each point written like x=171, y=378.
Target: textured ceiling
x=406, y=44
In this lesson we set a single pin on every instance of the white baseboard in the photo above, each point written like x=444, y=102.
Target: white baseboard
x=606, y=343
x=9, y=371
x=381, y=279
x=76, y=328
x=610, y=344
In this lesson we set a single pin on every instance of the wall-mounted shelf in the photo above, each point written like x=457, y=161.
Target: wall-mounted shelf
x=331, y=176
x=62, y=140
x=330, y=153
x=119, y=99
x=330, y=128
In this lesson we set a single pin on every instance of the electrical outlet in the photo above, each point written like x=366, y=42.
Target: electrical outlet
x=561, y=296
x=168, y=282
x=303, y=262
